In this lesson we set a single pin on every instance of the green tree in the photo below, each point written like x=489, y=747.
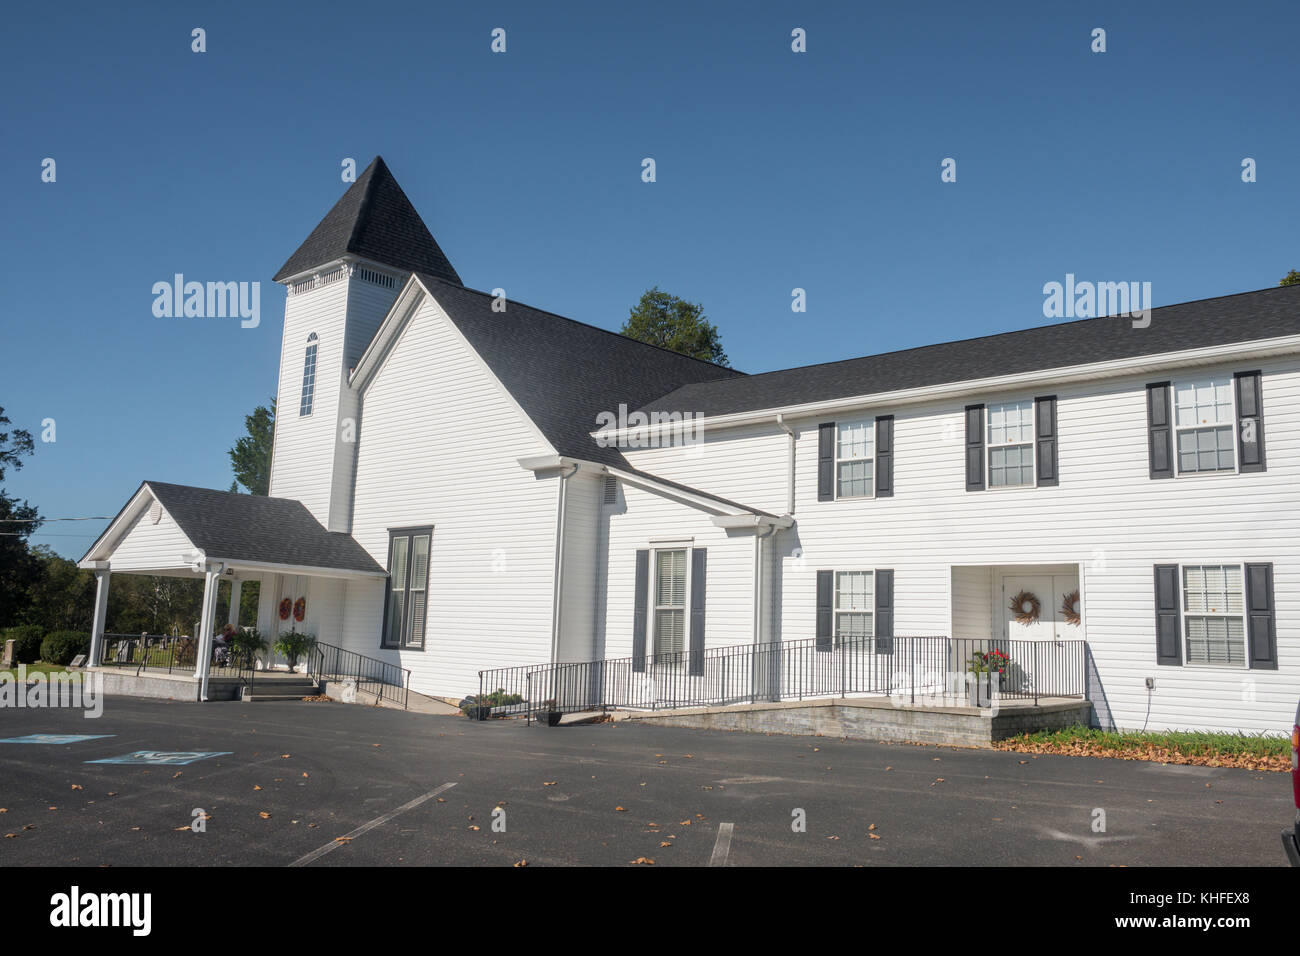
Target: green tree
x=675, y=324
x=251, y=456
x=1291, y=278
x=19, y=568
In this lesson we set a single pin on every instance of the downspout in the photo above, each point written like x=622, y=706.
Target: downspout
x=780, y=421
x=558, y=599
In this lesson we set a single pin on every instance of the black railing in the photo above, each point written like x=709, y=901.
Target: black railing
x=384, y=680
x=164, y=653
x=901, y=667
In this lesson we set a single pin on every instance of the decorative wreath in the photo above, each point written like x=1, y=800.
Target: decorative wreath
x=1026, y=607
x=1070, y=607
x=299, y=609
x=285, y=605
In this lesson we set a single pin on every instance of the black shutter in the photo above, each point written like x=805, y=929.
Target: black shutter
x=1250, y=422
x=826, y=461
x=885, y=456
x=640, y=611
x=698, y=562
x=884, y=611
x=1261, y=634
x=825, y=608
x=1169, y=642
x=974, y=447
x=1045, y=439
x=1160, y=433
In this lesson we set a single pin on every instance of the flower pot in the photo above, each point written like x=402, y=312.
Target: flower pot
x=477, y=713
x=977, y=690
x=548, y=718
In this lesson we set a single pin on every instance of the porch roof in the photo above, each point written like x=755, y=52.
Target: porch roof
x=248, y=531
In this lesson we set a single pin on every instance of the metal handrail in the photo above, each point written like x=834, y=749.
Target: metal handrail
x=788, y=670
x=385, y=680
x=170, y=653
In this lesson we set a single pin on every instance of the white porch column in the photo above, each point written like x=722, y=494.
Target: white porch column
x=100, y=616
x=235, y=587
x=211, y=581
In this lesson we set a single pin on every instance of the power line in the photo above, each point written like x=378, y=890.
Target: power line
x=43, y=520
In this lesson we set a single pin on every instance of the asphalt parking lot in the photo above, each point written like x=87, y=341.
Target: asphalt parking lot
x=289, y=779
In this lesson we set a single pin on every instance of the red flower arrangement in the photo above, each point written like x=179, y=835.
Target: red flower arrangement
x=299, y=609
x=285, y=605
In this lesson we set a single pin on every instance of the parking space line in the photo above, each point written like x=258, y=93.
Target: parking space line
x=367, y=827
x=723, y=845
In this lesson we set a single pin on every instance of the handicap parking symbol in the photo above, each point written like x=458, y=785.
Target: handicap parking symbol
x=163, y=758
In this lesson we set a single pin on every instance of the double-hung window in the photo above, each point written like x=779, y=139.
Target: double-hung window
x=670, y=602
x=406, y=609
x=1011, y=444
x=308, y=376
x=855, y=602
x=854, y=459
x=1214, y=614
x=1203, y=426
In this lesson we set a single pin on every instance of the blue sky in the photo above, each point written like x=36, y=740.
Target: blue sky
x=775, y=170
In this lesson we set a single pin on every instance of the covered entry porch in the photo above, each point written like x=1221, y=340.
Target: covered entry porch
x=225, y=540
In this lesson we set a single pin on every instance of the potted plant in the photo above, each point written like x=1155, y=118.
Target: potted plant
x=476, y=708
x=548, y=713
x=294, y=645
x=245, y=645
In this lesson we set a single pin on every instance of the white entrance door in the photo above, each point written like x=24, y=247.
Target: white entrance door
x=1050, y=590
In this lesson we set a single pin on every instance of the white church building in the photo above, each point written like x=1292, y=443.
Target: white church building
x=461, y=483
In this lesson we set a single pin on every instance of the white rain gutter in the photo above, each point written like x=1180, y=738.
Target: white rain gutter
x=758, y=582
x=780, y=421
x=557, y=601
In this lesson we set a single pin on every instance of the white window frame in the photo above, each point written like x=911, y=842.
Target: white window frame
x=1184, y=614
x=1231, y=426
x=837, y=611
x=405, y=626
x=990, y=445
x=656, y=607
x=869, y=427
x=307, y=400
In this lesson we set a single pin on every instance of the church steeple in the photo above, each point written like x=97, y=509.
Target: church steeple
x=375, y=221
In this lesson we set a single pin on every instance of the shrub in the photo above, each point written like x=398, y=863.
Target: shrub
x=248, y=643
x=27, y=642
x=294, y=645
x=60, y=647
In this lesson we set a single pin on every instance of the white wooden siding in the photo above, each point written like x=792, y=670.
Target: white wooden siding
x=438, y=446
x=145, y=546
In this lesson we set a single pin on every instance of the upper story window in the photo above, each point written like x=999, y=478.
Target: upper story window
x=1203, y=425
x=406, y=609
x=308, y=376
x=1214, y=614
x=854, y=456
x=1011, y=444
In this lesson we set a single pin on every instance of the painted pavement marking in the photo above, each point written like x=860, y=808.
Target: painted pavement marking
x=54, y=738
x=164, y=758
x=723, y=845
x=367, y=827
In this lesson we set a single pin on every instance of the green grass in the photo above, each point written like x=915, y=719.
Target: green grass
x=1188, y=742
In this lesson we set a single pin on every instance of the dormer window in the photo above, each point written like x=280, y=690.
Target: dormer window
x=308, y=376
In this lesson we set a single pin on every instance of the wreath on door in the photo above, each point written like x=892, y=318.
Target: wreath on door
x=299, y=609
x=285, y=607
x=1070, y=608
x=1026, y=607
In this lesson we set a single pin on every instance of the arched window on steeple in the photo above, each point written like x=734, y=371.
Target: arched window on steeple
x=308, y=376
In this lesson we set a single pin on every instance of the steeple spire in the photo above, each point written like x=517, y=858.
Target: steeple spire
x=373, y=220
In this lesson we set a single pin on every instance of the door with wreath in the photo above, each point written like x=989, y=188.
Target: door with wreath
x=1040, y=607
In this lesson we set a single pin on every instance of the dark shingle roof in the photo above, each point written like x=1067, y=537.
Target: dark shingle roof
x=224, y=524
x=373, y=220
x=563, y=373
x=1244, y=317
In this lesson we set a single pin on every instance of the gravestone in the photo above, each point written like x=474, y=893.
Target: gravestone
x=9, y=655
